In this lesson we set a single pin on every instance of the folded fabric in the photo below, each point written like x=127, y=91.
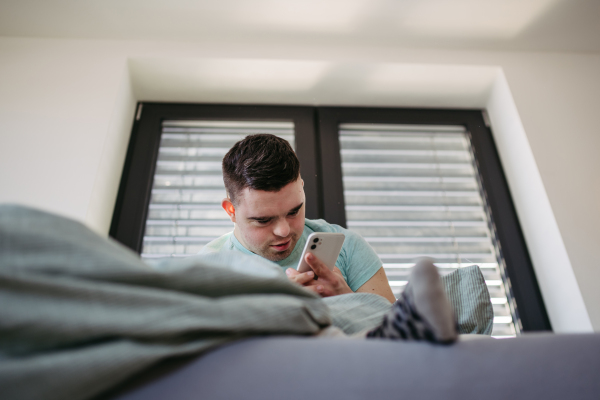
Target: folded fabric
x=470, y=299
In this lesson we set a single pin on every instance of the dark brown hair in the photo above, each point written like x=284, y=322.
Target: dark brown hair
x=259, y=162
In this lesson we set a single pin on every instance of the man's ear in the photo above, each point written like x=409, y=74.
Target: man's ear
x=229, y=208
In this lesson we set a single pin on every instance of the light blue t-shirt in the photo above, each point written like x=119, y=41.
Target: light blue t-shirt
x=357, y=261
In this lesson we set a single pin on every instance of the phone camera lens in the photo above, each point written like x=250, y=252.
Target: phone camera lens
x=315, y=240
x=314, y=246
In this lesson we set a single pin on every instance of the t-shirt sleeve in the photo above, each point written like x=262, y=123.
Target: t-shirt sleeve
x=357, y=261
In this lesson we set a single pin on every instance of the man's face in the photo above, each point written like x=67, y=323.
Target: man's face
x=269, y=223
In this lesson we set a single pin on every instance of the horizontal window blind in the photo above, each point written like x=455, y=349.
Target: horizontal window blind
x=185, y=207
x=414, y=191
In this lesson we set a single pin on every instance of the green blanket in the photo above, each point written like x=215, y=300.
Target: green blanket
x=80, y=313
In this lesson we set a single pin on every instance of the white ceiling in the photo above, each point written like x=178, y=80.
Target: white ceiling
x=513, y=25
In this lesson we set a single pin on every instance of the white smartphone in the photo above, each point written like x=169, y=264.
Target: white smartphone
x=326, y=246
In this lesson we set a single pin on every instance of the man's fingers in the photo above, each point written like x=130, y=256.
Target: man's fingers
x=291, y=272
x=303, y=278
x=317, y=266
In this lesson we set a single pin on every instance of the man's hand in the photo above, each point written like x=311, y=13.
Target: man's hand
x=329, y=283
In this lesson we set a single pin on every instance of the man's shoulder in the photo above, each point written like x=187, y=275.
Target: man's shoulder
x=221, y=243
x=320, y=225
x=352, y=240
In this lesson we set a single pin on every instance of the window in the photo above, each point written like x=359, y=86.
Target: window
x=412, y=182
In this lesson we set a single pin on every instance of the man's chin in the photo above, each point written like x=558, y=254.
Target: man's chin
x=272, y=254
x=278, y=256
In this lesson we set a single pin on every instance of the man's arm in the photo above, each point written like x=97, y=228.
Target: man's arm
x=378, y=284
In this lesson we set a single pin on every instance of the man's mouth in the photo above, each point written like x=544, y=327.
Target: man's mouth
x=282, y=246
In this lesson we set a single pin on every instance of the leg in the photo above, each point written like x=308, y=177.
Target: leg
x=422, y=312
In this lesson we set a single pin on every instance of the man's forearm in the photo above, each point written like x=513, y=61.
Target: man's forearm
x=378, y=284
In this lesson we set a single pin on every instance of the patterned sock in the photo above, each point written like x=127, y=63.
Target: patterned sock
x=422, y=312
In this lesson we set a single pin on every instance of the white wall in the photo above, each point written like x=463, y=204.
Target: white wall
x=59, y=124
x=66, y=108
x=561, y=96
x=552, y=265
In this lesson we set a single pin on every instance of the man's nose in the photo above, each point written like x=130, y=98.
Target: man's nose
x=282, y=228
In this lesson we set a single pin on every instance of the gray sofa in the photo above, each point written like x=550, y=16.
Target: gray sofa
x=534, y=366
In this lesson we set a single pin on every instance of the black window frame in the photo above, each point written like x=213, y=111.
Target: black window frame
x=519, y=268
x=317, y=146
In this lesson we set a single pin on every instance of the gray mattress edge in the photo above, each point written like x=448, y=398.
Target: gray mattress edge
x=528, y=367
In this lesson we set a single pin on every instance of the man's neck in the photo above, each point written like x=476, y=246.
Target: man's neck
x=237, y=236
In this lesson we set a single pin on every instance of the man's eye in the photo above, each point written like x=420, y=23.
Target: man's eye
x=294, y=212
x=263, y=221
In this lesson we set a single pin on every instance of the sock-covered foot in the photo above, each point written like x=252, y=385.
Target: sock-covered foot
x=423, y=312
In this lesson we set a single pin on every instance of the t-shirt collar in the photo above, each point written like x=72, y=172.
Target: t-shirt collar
x=236, y=243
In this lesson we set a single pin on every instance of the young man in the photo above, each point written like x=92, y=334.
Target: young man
x=265, y=200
